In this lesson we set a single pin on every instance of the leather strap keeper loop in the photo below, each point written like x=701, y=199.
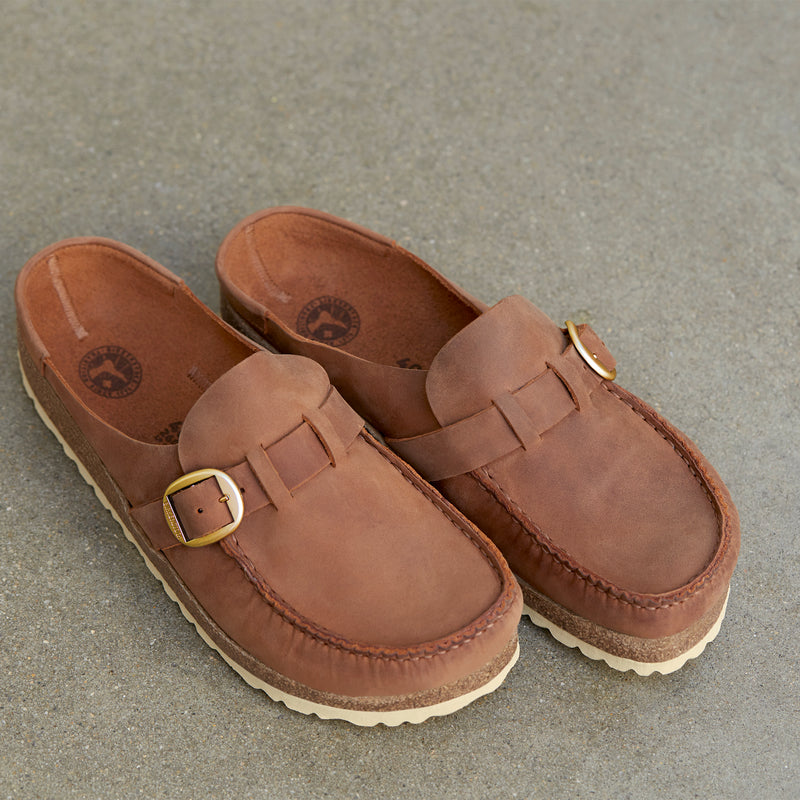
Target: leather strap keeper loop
x=572, y=375
x=268, y=478
x=318, y=421
x=517, y=419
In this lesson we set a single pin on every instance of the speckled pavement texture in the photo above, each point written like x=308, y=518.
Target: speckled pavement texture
x=635, y=165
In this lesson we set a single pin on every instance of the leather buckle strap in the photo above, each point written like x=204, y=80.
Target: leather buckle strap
x=484, y=437
x=231, y=497
x=206, y=505
x=515, y=419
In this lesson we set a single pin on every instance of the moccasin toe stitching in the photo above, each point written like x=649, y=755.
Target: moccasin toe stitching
x=621, y=533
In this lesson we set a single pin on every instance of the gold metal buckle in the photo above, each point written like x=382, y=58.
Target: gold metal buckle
x=590, y=358
x=230, y=495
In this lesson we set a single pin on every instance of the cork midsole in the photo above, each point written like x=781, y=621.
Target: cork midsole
x=623, y=651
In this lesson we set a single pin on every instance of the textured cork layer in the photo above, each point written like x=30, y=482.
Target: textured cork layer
x=622, y=651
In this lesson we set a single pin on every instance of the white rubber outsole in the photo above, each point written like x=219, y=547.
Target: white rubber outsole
x=625, y=664
x=302, y=705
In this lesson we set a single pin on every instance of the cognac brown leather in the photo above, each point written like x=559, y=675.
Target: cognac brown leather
x=620, y=531
x=351, y=588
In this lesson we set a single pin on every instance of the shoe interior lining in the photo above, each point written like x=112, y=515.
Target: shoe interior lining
x=338, y=286
x=131, y=344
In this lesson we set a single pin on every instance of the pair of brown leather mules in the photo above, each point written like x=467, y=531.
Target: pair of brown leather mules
x=318, y=563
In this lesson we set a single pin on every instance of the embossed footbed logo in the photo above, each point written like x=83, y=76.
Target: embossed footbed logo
x=111, y=371
x=330, y=320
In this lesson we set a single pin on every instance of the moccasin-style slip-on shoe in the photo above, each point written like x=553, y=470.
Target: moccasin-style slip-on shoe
x=314, y=560
x=621, y=534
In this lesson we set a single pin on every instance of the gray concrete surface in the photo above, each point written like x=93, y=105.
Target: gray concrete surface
x=634, y=164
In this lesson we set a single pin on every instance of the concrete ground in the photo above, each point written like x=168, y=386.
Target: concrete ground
x=633, y=164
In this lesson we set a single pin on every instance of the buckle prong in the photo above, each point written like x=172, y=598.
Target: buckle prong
x=230, y=495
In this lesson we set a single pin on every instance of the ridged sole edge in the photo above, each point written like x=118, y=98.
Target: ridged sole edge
x=620, y=663
x=299, y=704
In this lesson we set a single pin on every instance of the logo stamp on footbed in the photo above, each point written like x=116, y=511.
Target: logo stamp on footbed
x=111, y=371
x=330, y=320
